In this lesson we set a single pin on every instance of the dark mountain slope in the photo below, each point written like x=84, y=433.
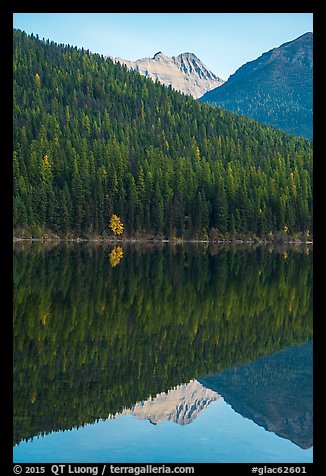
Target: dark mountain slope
x=276, y=88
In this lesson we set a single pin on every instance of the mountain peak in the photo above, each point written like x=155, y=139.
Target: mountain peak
x=188, y=55
x=185, y=73
x=160, y=56
x=308, y=36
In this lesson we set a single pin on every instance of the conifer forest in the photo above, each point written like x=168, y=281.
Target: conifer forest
x=93, y=139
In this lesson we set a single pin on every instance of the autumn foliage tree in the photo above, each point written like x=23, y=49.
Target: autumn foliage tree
x=116, y=225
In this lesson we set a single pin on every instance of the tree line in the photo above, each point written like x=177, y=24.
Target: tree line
x=92, y=139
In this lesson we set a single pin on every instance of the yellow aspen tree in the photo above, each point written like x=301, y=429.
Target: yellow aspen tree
x=116, y=225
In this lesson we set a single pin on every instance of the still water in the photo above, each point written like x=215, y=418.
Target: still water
x=168, y=353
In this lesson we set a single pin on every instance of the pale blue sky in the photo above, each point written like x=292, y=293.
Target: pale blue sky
x=223, y=41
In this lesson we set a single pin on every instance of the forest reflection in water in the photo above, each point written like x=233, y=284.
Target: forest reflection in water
x=92, y=338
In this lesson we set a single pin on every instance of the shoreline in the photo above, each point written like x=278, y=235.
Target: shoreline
x=159, y=241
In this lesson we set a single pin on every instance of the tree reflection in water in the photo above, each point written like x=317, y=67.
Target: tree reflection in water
x=91, y=339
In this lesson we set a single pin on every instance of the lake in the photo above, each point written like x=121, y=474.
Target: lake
x=162, y=353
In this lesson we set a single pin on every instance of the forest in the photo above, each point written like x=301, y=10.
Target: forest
x=92, y=139
x=91, y=338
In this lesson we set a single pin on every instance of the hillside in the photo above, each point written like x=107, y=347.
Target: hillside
x=276, y=88
x=92, y=138
x=186, y=73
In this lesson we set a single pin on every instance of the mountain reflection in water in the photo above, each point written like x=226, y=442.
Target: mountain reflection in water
x=181, y=404
x=92, y=340
x=274, y=391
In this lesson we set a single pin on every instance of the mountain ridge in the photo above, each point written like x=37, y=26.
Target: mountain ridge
x=275, y=88
x=185, y=73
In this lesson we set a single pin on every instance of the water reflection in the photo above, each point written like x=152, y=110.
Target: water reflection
x=181, y=404
x=275, y=392
x=115, y=256
x=91, y=340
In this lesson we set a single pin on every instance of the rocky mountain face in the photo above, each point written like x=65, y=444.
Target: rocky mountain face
x=275, y=88
x=185, y=72
x=181, y=404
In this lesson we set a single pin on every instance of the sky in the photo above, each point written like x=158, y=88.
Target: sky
x=222, y=41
